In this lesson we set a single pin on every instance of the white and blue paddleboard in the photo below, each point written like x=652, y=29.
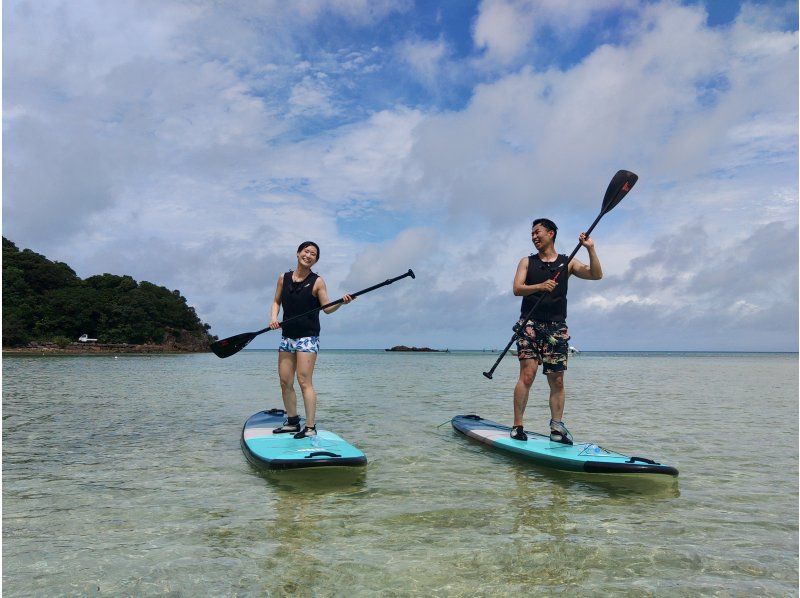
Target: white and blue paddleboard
x=282, y=451
x=539, y=449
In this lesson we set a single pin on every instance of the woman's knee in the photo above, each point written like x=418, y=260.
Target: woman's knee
x=304, y=380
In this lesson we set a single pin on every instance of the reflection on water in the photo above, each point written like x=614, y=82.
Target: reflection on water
x=606, y=486
x=317, y=480
x=125, y=477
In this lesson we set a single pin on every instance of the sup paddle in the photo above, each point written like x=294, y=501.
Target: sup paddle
x=620, y=184
x=233, y=344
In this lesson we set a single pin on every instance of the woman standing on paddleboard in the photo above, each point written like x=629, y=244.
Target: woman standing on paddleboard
x=300, y=291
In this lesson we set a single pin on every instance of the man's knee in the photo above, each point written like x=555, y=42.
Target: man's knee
x=527, y=371
x=526, y=378
x=556, y=381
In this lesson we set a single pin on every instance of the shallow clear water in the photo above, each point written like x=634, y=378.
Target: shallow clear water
x=124, y=476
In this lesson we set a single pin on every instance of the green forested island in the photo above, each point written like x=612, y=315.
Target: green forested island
x=47, y=302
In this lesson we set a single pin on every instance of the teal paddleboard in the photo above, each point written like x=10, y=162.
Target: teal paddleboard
x=281, y=451
x=539, y=449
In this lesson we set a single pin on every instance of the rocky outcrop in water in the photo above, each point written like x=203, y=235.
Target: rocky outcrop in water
x=415, y=349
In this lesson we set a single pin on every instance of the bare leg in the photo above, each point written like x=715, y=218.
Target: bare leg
x=305, y=372
x=557, y=395
x=287, y=364
x=527, y=372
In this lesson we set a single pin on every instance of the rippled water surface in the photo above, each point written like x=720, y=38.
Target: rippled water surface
x=123, y=476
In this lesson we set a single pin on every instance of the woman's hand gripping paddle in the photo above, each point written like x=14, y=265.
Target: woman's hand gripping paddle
x=233, y=344
x=620, y=184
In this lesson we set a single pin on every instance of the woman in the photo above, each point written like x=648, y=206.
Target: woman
x=300, y=291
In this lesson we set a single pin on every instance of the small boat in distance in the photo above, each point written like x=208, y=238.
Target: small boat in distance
x=573, y=350
x=84, y=338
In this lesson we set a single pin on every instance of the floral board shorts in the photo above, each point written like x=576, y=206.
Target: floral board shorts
x=306, y=344
x=550, y=346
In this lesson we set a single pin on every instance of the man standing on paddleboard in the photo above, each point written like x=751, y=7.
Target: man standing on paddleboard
x=545, y=337
x=300, y=291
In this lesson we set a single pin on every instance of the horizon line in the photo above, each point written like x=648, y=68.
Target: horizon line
x=795, y=351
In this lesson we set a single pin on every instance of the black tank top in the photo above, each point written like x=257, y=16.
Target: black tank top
x=296, y=298
x=553, y=307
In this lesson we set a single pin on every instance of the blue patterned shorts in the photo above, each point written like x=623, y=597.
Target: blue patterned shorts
x=306, y=344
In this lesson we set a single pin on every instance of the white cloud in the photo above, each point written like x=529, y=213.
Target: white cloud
x=508, y=29
x=311, y=97
x=531, y=137
x=426, y=58
x=179, y=143
x=365, y=160
x=504, y=28
x=597, y=302
x=392, y=258
x=691, y=284
x=360, y=12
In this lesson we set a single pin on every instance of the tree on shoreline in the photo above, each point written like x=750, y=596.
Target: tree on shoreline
x=44, y=301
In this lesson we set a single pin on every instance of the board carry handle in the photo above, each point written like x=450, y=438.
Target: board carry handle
x=643, y=460
x=321, y=454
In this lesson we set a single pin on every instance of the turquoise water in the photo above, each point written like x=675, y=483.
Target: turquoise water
x=123, y=476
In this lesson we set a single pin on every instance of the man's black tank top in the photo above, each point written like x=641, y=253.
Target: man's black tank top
x=296, y=298
x=553, y=307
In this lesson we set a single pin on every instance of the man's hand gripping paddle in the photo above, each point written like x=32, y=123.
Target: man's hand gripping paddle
x=233, y=344
x=620, y=184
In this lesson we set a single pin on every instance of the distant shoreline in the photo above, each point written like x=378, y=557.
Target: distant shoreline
x=101, y=349
x=97, y=349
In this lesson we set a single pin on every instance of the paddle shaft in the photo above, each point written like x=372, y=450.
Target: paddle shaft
x=518, y=327
x=338, y=301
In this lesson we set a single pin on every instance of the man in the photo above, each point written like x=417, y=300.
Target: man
x=545, y=337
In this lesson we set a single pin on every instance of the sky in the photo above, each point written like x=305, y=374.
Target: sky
x=195, y=144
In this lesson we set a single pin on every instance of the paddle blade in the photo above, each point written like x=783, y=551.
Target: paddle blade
x=228, y=346
x=618, y=188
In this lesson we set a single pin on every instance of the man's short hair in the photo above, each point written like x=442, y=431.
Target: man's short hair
x=548, y=224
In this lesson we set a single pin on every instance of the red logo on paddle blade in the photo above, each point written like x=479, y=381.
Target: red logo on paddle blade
x=626, y=187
